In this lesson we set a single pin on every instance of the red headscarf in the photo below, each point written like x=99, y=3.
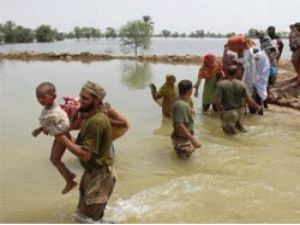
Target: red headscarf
x=210, y=67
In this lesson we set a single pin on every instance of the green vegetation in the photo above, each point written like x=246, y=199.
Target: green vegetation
x=11, y=33
x=24, y=35
x=136, y=34
x=85, y=32
x=110, y=33
x=44, y=33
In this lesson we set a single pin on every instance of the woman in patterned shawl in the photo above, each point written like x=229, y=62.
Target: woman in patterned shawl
x=167, y=93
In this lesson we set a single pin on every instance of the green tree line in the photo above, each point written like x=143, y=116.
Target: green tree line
x=10, y=32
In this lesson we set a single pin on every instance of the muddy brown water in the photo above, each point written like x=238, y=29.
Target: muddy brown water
x=248, y=178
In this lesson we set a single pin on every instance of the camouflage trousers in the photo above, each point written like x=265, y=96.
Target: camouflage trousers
x=232, y=119
x=182, y=146
x=95, y=189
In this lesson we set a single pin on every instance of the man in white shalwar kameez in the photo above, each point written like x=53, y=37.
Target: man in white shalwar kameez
x=247, y=60
x=262, y=66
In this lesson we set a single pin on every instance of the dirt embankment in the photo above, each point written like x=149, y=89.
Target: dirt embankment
x=284, y=92
x=88, y=57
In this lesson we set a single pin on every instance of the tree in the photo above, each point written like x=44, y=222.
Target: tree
x=1, y=33
x=110, y=33
x=199, y=33
x=9, y=32
x=58, y=36
x=24, y=35
x=44, y=33
x=96, y=33
x=148, y=20
x=86, y=32
x=166, y=33
x=192, y=35
x=77, y=32
x=183, y=35
x=136, y=34
x=175, y=35
x=228, y=35
x=252, y=33
x=70, y=35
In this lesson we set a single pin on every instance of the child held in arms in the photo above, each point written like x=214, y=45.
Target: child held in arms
x=54, y=121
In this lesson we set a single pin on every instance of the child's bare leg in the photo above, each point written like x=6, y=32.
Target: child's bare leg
x=57, y=152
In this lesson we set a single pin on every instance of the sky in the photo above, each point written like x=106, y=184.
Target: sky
x=217, y=16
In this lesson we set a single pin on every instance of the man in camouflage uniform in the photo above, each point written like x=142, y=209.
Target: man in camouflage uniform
x=182, y=137
x=231, y=95
x=92, y=147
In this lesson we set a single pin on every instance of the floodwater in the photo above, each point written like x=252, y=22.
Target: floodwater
x=248, y=178
x=159, y=46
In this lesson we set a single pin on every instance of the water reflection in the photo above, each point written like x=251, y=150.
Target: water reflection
x=136, y=75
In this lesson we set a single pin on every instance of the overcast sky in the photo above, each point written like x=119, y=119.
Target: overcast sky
x=216, y=16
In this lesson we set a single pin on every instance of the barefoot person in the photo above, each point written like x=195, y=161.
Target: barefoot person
x=54, y=121
x=182, y=136
x=92, y=147
x=230, y=97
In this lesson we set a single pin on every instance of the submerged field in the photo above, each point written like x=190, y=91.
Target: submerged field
x=249, y=178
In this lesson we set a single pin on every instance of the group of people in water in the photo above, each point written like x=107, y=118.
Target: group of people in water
x=237, y=84
x=240, y=83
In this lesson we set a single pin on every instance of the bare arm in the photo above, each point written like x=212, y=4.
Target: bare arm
x=252, y=103
x=196, y=86
x=187, y=134
x=74, y=148
x=36, y=131
x=219, y=104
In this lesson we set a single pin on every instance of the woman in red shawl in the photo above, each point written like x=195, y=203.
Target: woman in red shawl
x=211, y=71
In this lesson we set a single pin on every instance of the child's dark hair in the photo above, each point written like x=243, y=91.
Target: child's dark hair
x=184, y=86
x=50, y=88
